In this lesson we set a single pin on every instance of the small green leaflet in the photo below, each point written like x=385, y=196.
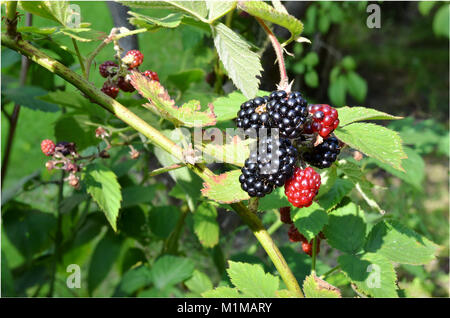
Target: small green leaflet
x=372, y=273
x=150, y=23
x=346, y=228
x=348, y=115
x=314, y=287
x=199, y=283
x=250, y=280
x=242, y=65
x=188, y=114
x=218, y=9
x=266, y=12
x=309, y=221
x=225, y=188
x=169, y=270
x=227, y=107
x=375, y=141
x=400, y=244
x=101, y=183
x=338, y=191
x=196, y=9
x=205, y=224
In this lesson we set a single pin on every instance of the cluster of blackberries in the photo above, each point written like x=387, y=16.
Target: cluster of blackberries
x=294, y=119
x=270, y=165
x=118, y=77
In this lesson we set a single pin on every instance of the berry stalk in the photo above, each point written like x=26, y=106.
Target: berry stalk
x=155, y=136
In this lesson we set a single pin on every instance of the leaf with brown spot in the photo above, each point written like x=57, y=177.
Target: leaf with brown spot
x=225, y=188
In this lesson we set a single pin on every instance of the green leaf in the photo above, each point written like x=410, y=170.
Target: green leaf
x=101, y=183
x=103, y=258
x=217, y=9
x=133, y=280
x=199, y=283
x=225, y=188
x=338, y=191
x=337, y=90
x=227, y=107
x=163, y=219
x=266, y=12
x=135, y=195
x=327, y=180
x=348, y=115
x=7, y=287
x=234, y=152
x=414, y=166
x=274, y=200
x=83, y=34
x=252, y=281
x=311, y=59
x=242, y=65
x=400, y=244
x=222, y=292
x=309, y=221
x=373, y=274
x=184, y=79
x=172, y=20
x=30, y=231
x=53, y=10
x=348, y=63
x=299, y=68
x=312, y=79
x=375, y=141
x=314, y=287
x=346, y=228
x=357, y=86
x=188, y=115
x=170, y=270
x=205, y=225
x=425, y=6
x=441, y=21
x=28, y=96
x=197, y=9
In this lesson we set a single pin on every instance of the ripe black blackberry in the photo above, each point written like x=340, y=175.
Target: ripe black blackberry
x=323, y=155
x=288, y=112
x=270, y=164
x=253, y=115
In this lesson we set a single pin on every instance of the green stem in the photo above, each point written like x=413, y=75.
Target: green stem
x=157, y=138
x=331, y=271
x=80, y=58
x=171, y=245
x=272, y=229
x=165, y=169
x=314, y=256
x=11, y=18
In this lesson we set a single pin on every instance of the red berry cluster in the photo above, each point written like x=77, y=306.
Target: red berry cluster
x=325, y=120
x=118, y=76
x=302, y=187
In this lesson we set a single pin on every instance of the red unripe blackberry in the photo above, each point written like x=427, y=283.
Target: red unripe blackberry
x=323, y=155
x=269, y=166
x=151, y=75
x=48, y=147
x=307, y=247
x=288, y=112
x=133, y=58
x=325, y=120
x=108, y=69
x=285, y=215
x=295, y=235
x=110, y=89
x=125, y=84
x=301, y=189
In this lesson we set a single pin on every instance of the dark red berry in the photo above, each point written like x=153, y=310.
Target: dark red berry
x=301, y=189
x=125, y=84
x=325, y=120
x=108, y=68
x=151, y=75
x=110, y=89
x=307, y=247
x=295, y=235
x=133, y=58
x=285, y=215
x=48, y=147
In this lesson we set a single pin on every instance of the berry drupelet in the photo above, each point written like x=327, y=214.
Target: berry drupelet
x=151, y=75
x=108, y=69
x=110, y=89
x=268, y=168
x=48, y=147
x=325, y=120
x=323, y=155
x=288, y=112
x=133, y=58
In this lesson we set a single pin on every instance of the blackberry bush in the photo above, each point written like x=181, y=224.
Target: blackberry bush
x=323, y=155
